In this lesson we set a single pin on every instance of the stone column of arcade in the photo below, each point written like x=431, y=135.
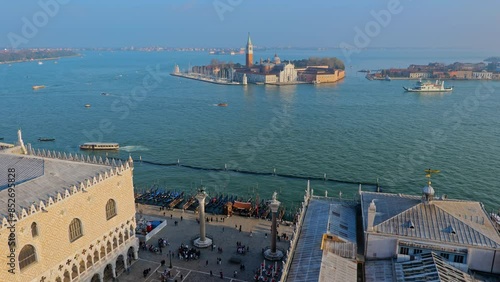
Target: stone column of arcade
x=273, y=253
x=203, y=241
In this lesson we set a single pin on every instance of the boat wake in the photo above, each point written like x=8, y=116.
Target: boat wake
x=134, y=148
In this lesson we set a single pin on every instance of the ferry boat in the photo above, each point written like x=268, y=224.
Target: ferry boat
x=99, y=146
x=429, y=87
x=36, y=87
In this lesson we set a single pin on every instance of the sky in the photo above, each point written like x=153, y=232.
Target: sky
x=272, y=23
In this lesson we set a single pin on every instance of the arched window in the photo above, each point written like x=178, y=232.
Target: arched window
x=27, y=256
x=75, y=229
x=34, y=229
x=110, y=209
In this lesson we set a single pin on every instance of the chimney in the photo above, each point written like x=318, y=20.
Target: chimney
x=372, y=209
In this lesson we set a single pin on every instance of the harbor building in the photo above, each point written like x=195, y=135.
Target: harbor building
x=398, y=226
x=393, y=237
x=73, y=218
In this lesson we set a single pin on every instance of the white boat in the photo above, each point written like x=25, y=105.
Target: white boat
x=40, y=63
x=438, y=86
x=387, y=78
x=99, y=146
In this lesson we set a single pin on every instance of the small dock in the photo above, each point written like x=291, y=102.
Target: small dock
x=204, y=78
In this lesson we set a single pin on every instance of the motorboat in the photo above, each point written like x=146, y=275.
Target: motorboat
x=42, y=139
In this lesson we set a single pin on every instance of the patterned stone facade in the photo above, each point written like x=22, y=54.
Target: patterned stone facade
x=105, y=207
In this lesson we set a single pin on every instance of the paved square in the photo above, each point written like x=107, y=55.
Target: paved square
x=255, y=234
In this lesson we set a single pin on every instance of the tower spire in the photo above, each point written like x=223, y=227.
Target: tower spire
x=249, y=52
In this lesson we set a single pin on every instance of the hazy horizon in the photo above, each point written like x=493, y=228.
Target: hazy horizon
x=224, y=24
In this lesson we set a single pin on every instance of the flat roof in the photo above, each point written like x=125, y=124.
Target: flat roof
x=39, y=178
x=308, y=260
x=342, y=221
x=379, y=271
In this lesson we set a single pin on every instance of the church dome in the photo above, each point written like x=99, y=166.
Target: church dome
x=428, y=190
x=277, y=59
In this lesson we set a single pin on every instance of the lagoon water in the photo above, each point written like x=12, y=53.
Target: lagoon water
x=356, y=130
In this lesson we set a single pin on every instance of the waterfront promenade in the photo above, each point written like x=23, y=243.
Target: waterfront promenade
x=225, y=235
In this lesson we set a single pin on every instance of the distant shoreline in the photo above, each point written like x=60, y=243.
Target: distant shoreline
x=35, y=60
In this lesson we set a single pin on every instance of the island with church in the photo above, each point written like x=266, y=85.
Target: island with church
x=274, y=72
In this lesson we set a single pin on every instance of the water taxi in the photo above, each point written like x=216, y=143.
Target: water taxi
x=429, y=87
x=99, y=146
x=36, y=87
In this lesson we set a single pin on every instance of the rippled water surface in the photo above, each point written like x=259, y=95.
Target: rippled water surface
x=356, y=130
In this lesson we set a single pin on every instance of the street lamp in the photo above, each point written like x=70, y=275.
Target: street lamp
x=170, y=256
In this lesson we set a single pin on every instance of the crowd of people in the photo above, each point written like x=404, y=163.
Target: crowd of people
x=185, y=253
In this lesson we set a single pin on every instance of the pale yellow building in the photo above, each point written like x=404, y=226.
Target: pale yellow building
x=73, y=218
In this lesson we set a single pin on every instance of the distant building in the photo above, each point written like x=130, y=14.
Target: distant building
x=482, y=74
x=461, y=74
x=417, y=75
x=320, y=74
x=276, y=71
x=74, y=217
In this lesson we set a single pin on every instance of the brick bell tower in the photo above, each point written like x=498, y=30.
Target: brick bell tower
x=249, y=52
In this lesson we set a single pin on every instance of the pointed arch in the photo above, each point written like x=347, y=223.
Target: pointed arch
x=126, y=234
x=67, y=278
x=82, y=266
x=96, y=256
x=75, y=229
x=89, y=260
x=34, y=230
x=110, y=209
x=74, y=272
x=27, y=256
x=103, y=252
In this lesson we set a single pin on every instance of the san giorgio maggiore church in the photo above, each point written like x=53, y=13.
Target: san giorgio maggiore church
x=277, y=72
x=74, y=216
